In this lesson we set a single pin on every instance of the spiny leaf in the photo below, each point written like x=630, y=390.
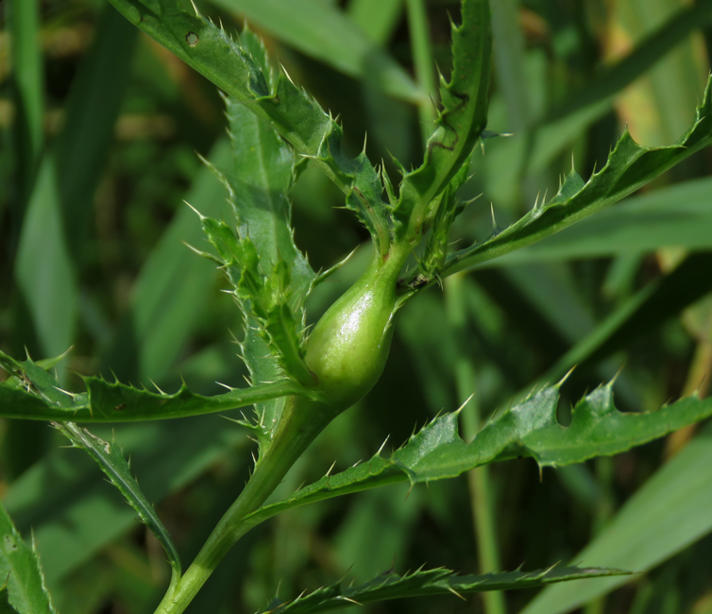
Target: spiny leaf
x=423, y=582
x=265, y=296
x=109, y=458
x=528, y=429
x=259, y=178
x=320, y=29
x=21, y=572
x=239, y=68
x=677, y=215
x=629, y=167
x=462, y=116
x=448, y=207
x=31, y=393
x=275, y=278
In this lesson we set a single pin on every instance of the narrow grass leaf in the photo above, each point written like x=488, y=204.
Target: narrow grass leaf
x=59, y=206
x=111, y=461
x=31, y=393
x=567, y=119
x=21, y=572
x=629, y=167
x=28, y=78
x=47, y=277
x=377, y=18
x=645, y=310
x=669, y=512
x=427, y=582
x=91, y=111
x=172, y=288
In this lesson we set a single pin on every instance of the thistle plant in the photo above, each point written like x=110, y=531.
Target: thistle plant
x=304, y=373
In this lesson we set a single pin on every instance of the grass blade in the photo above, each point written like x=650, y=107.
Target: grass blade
x=46, y=277
x=171, y=289
x=28, y=78
x=642, y=312
x=645, y=532
x=377, y=18
x=59, y=206
x=566, y=120
x=91, y=111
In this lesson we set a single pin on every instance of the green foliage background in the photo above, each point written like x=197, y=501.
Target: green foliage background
x=100, y=127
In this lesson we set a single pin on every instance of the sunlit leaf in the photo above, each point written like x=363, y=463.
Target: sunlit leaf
x=529, y=429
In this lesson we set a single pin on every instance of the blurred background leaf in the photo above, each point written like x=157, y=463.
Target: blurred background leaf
x=99, y=127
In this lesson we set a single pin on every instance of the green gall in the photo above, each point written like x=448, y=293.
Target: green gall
x=348, y=347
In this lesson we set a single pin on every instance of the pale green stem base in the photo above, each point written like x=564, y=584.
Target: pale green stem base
x=301, y=422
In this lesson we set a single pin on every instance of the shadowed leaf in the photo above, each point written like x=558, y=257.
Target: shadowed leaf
x=424, y=582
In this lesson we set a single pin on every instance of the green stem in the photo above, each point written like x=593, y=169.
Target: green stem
x=423, y=63
x=477, y=479
x=302, y=421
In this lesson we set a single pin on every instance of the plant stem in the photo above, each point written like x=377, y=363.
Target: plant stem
x=423, y=62
x=302, y=421
x=477, y=479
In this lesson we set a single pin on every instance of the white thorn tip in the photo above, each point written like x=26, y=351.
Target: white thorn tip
x=286, y=74
x=383, y=445
x=198, y=213
x=69, y=394
x=464, y=403
x=155, y=385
